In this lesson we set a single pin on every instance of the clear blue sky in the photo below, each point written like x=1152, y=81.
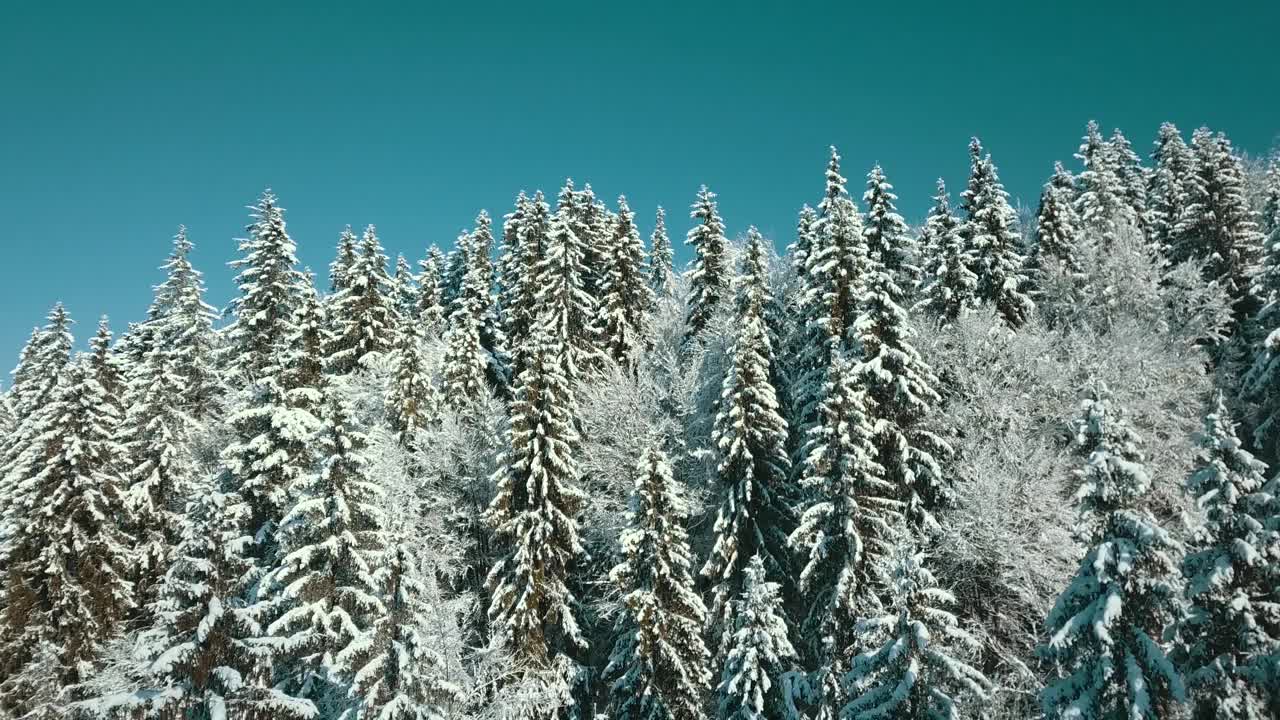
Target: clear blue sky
x=118, y=121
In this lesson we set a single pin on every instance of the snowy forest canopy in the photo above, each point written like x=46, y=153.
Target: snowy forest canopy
x=989, y=466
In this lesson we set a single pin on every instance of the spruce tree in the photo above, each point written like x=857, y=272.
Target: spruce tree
x=949, y=285
x=991, y=237
x=659, y=659
x=534, y=511
x=563, y=303
x=1232, y=622
x=412, y=403
x=182, y=327
x=1101, y=200
x=1104, y=630
x=1057, y=226
x=898, y=382
x=709, y=279
x=68, y=585
x=465, y=359
x=1174, y=166
x=324, y=585
x=626, y=296
x=344, y=261
x=1131, y=176
x=750, y=435
x=520, y=288
x=431, y=312
x=757, y=652
x=364, y=312
x=661, y=269
x=406, y=293
x=913, y=674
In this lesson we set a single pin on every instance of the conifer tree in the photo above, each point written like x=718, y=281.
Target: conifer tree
x=886, y=233
x=324, y=584
x=533, y=513
x=750, y=434
x=844, y=537
x=662, y=256
x=411, y=400
x=1057, y=226
x=709, y=279
x=344, y=261
x=1218, y=224
x=182, y=328
x=1101, y=202
x=913, y=673
x=269, y=284
x=431, y=312
x=406, y=291
x=68, y=583
x=1230, y=572
x=364, y=312
x=1131, y=176
x=659, y=659
x=1174, y=166
x=1104, y=630
x=757, y=652
x=991, y=236
x=520, y=290
x=465, y=359
x=899, y=383
x=626, y=296
x=563, y=303
x=949, y=285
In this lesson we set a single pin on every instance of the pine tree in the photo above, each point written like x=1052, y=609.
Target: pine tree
x=659, y=659
x=1101, y=201
x=411, y=400
x=757, y=653
x=181, y=326
x=709, y=279
x=626, y=296
x=519, y=298
x=324, y=585
x=1104, y=630
x=269, y=283
x=465, y=359
x=1217, y=224
x=534, y=513
x=563, y=303
x=949, y=285
x=661, y=270
x=1132, y=177
x=431, y=310
x=364, y=312
x=406, y=291
x=344, y=261
x=750, y=435
x=1232, y=621
x=913, y=674
x=69, y=564
x=899, y=383
x=886, y=233
x=1174, y=166
x=845, y=533
x=991, y=237
x=1057, y=226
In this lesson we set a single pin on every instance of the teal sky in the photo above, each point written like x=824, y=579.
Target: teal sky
x=118, y=121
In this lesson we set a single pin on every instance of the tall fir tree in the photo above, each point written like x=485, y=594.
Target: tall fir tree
x=757, y=652
x=660, y=660
x=344, y=261
x=1104, y=631
x=913, y=674
x=709, y=279
x=1132, y=177
x=1101, y=201
x=182, y=327
x=466, y=361
x=750, y=435
x=625, y=293
x=1233, y=622
x=406, y=293
x=363, y=314
x=949, y=285
x=1057, y=241
x=662, y=256
x=563, y=302
x=520, y=289
x=1174, y=166
x=991, y=236
x=431, y=312
x=412, y=401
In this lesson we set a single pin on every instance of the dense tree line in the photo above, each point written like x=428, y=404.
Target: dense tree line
x=976, y=468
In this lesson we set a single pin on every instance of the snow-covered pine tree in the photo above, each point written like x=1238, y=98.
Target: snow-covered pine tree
x=750, y=435
x=1130, y=173
x=431, y=312
x=563, y=303
x=709, y=279
x=455, y=268
x=1104, y=631
x=1233, y=622
x=68, y=583
x=268, y=284
x=835, y=185
x=913, y=674
x=534, y=511
x=465, y=359
x=660, y=659
x=949, y=285
x=304, y=361
x=587, y=217
x=519, y=299
x=886, y=234
x=1218, y=225
x=898, y=382
x=180, y=323
x=412, y=404
x=757, y=652
x=625, y=295
x=662, y=256
x=1057, y=247
x=363, y=313
x=992, y=240
x=1173, y=167
x=344, y=260
x=845, y=535
x=406, y=291
x=106, y=366
x=324, y=586
x=804, y=248
x=1101, y=200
